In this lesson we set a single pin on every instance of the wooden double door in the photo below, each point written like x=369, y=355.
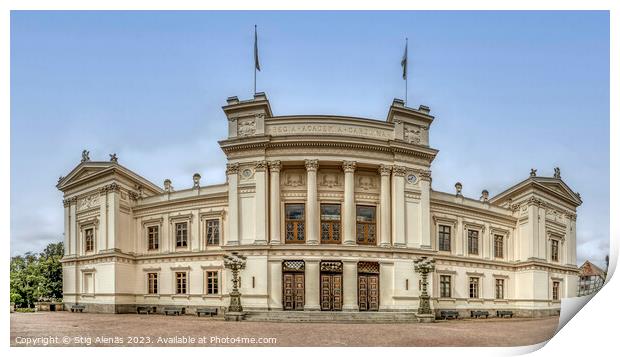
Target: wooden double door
x=331, y=291
x=293, y=291
x=368, y=292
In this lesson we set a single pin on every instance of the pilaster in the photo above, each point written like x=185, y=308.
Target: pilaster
x=260, y=169
x=349, y=286
x=311, y=276
x=233, y=204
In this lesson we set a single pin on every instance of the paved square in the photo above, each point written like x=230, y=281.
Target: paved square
x=75, y=329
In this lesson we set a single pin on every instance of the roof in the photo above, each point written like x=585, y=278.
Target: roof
x=590, y=269
x=550, y=185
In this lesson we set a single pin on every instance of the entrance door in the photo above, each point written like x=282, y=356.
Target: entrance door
x=331, y=291
x=368, y=292
x=293, y=291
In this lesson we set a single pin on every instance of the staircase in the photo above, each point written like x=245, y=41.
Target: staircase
x=331, y=316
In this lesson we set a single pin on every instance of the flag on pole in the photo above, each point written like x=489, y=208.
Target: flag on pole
x=403, y=62
x=256, y=63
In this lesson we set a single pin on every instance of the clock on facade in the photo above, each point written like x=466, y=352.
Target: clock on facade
x=411, y=178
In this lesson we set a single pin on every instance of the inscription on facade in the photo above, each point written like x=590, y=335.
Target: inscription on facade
x=329, y=129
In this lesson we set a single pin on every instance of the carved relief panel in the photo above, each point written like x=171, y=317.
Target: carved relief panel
x=331, y=180
x=366, y=182
x=88, y=202
x=293, y=179
x=415, y=134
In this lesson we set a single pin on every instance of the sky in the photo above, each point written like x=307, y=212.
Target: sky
x=509, y=91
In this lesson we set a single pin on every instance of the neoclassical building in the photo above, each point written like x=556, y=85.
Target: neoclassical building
x=330, y=212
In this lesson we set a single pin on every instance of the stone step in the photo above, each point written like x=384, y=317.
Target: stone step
x=331, y=316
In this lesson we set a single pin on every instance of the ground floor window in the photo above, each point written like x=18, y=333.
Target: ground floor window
x=499, y=288
x=445, y=286
x=181, y=282
x=153, y=283
x=213, y=285
x=88, y=285
x=556, y=290
x=474, y=285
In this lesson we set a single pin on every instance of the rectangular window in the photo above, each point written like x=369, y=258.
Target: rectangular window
x=474, y=284
x=366, y=227
x=181, y=280
x=445, y=286
x=213, y=286
x=213, y=232
x=555, y=253
x=444, y=238
x=153, y=283
x=499, y=289
x=556, y=290
x=295, y=223
x=472, y=242
x=330, y=223
x=89, y=240
x=153, y=234
x=499, y=246
x=181, y=234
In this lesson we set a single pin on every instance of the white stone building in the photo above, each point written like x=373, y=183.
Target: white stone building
x=330, y=212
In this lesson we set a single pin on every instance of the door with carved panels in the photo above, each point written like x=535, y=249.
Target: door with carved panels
x=293, y=291
x=368, y=286
x=331, y=291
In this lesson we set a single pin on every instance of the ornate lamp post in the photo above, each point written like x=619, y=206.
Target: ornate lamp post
x=423, y=266
x=235, y=262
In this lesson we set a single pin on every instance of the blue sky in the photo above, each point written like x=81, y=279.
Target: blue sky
x=510, y=91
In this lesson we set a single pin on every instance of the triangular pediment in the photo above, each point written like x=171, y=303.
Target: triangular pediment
x=550, y=185
x=82, y=171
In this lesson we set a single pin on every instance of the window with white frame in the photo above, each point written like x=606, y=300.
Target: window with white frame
x=555, y=291
x=153, y=283
x=213, y=231
x=181, y=234
x=212, y=282
x=498, y=246
x=445, y=286
x=499, y=289
x=89, y=240
x=153, y=237
x=181, y=282
x=474, y=287
x=555, y=250
x=444, y=238
x=472, y=241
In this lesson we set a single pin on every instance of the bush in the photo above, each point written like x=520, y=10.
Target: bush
x=24, y=309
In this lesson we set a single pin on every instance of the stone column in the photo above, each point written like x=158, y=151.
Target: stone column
x=386, y=206
x=312, y=209
x=274, y=202
x=425, y=209
x=349, y=286
x=349, y=202
x=311, y=276
x=260, y=169
x=398, y=206
x=233, y=205
x=102, y=235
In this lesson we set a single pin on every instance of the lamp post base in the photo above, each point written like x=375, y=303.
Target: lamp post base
x=234, y=316
x=425, y=318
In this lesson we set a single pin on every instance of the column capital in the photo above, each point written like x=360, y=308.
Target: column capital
x=260, y=166
x=275, y=166
x=385, y=170
x=312, y=165
x=232, y=168
x=349, y=166
x=399, y=171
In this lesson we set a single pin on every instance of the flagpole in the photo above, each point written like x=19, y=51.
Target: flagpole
x=406, y=71
x=255, y=44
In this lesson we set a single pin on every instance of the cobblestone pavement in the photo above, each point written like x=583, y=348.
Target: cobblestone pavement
x=75, y=329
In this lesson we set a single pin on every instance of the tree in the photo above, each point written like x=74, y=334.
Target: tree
x=37, y=277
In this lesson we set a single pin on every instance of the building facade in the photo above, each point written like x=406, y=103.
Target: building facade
x=330, y=212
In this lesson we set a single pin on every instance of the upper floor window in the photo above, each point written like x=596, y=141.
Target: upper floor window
x=89, y=240
x=474, y=285
x=366, y=228
x=330, y=223
x=555, y=251
x=181, y=282
x=472, y=241
x=181, y=234
x=444, y=238
x=213, y=232
x=445, y=286
x=499, y=288
x=295, y=217
x=153, y=237
x=498, y=245
x=153, y=282
x=212, y=283
x=556, y=290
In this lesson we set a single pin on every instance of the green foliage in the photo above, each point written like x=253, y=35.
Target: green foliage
x=37, y=277
x=24, y=309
